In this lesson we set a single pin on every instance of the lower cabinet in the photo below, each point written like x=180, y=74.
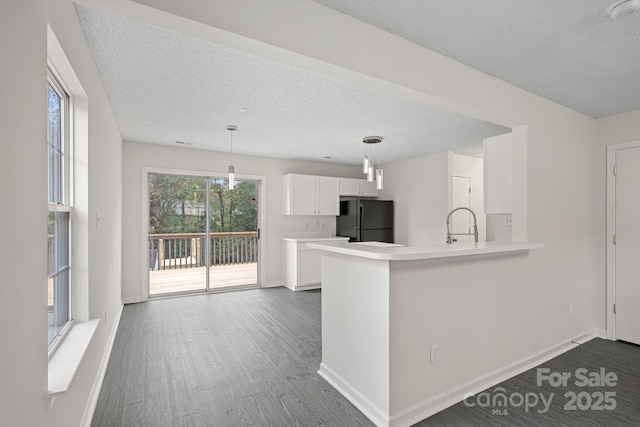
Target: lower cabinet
x=308, y=267
x=302, y=264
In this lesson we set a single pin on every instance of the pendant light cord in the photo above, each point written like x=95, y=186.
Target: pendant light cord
x=231, y=128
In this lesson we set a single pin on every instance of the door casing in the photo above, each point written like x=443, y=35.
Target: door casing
x=144, y=217
x=611, y=231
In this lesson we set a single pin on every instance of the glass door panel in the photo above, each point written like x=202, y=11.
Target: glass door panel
x=177, y=234
x=233, y=238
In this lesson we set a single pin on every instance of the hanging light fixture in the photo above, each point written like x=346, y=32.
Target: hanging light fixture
x=232, y=174
x=622, y=8
x=368, y=165
x=365, y=161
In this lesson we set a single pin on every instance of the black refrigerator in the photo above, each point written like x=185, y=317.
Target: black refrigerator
x=366, y=220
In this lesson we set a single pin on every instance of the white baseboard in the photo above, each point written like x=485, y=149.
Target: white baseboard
x=416, y=413
x=425, y=409
x=272, y=285
x=90, y=407
x=601, y=333
x=303, y=288
x=131, y=300
x=377, y=416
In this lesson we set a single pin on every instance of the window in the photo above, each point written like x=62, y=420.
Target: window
x=59, y=215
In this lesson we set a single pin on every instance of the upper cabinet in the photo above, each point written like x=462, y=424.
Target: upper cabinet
x=357, y=187
x=310, y=195
x=498, y=186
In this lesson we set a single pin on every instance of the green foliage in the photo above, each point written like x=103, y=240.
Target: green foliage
x=177, y=205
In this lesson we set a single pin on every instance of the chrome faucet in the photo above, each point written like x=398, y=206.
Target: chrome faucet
x=475, y=226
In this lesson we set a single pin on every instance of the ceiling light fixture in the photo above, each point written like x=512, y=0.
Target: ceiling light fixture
x=232, y=174
x=368, y=164
x=621, y=8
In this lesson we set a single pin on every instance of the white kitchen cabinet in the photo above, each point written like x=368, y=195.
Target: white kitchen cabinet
x=358, y=187
x=327, y=196
x=310, y=195
x=302, y=264
x=308, y=267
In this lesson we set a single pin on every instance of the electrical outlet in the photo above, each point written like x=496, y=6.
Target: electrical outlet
x=508, y=221
x=433, y=354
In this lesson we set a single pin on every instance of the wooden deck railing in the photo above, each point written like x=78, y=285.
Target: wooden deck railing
x=187, y=250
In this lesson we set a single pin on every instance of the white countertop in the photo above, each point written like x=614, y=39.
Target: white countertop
x=316, y=239
x=407, y=253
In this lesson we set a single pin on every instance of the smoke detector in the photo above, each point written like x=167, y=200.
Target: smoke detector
x=622, y=8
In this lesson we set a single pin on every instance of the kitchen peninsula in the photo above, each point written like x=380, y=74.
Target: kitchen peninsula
x=399, y=323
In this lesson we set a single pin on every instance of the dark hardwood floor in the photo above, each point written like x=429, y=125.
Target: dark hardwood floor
x=250, y=358
x=581, y=400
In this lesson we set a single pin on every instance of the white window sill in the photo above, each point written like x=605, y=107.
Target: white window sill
x=64, y=362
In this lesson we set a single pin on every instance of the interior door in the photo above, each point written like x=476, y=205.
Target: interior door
x=627, y=249
x=461, y=221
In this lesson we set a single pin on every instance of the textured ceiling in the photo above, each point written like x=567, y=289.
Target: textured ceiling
x=166, y=86
x=570, y=52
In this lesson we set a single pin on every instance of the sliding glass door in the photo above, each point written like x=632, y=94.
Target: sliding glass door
x=233, y=227
x=202, y=236
x=177, y=227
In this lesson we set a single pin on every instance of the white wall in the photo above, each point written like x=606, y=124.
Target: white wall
x=421, y=192
x=23, y=169
x=498, y=180
x=104, y=195
x=23, y=360
x=138, y=156
x=610, y=130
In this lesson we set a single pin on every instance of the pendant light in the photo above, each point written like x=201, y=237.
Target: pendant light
x=622, y=8
x=232, y=174
x=365, y=161
x=368, y=164
x=370, y=172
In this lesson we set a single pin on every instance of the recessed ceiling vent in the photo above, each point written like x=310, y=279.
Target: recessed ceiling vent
x=622, y=8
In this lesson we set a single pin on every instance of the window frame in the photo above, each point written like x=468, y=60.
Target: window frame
x=65, y=205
